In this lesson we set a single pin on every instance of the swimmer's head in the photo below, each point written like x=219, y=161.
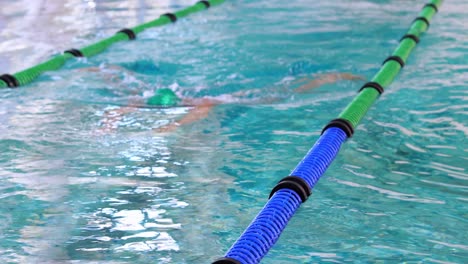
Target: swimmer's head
x=163, y=97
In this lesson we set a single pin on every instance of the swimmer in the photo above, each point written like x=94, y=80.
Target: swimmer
x=201, y=107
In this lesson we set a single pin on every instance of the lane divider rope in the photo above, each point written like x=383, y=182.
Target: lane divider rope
x=28, y=75
x=287, y=196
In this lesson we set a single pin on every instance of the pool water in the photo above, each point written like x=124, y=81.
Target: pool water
x=73, y=192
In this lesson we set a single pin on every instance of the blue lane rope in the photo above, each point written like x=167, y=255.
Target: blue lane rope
x=314, y=164
x=266, y=228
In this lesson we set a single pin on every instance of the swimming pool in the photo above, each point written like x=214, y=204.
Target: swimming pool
x=395, y=193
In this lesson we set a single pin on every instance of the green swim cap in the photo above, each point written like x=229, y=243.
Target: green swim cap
x=163, y=97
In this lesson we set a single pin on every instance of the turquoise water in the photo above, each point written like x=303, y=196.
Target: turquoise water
x=73, y=193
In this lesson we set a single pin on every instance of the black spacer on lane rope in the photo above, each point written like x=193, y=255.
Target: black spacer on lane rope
x=206, y=3
x=374, y=85
x=433, y=6
x=395, y=58
x=410, y=36
x=294, y=183
x=341, y=123
x=74, y=52
x=131, y=35
x=226, y=261
x=423, y=19
x=171, y=16
x=10, y=80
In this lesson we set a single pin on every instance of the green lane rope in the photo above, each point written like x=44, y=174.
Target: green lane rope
x=28, y=75
x=356, y=110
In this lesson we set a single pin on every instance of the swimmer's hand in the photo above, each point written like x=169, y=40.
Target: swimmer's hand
x=322, y=79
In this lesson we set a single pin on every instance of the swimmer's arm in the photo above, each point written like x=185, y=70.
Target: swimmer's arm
x=309, y=84
x=197, y=113
x=109, y=72
x=113, y=74
x=101, y=68
x=322, y=79
x=112, y=117
x=200, y=111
